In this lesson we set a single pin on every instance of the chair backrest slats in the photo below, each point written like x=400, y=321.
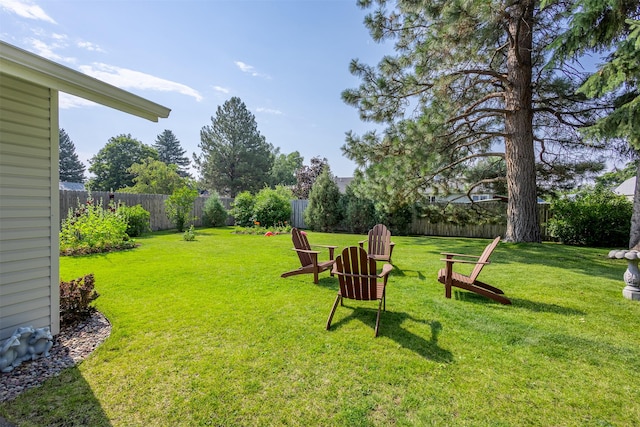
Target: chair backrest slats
x=484, y=258
x=356, y=274
x=379, y=240
x=300, y=241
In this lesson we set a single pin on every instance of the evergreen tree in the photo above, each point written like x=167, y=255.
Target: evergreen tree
x=111, y=166
x=171, y=152
x=324, y=210
x=235, y=156
x=70, y=168
x=468, y=80
x=610, y=26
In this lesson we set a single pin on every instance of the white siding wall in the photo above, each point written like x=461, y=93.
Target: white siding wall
x=28, y=206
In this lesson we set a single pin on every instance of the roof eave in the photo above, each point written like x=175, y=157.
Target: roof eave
x=27, y=66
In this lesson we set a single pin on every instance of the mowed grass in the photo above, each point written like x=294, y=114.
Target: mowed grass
x=207, y=333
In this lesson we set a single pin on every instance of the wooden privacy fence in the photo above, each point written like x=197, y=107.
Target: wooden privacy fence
x=154, y=203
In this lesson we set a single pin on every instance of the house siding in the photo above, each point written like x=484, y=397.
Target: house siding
x=28, y=206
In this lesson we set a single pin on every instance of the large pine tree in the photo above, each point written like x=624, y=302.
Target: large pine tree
x=468, y=80
x=70, y=168
x=171, y=152
x=235, y=156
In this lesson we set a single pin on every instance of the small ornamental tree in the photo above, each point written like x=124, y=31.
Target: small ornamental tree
x=180, y=204
x=323, y=212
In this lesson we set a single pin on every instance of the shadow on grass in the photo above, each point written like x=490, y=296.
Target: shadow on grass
x=71, y=404
x=538, y=307
x=391, y=327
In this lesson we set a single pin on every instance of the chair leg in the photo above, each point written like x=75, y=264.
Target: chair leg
x=333, y=310
x=378, y=317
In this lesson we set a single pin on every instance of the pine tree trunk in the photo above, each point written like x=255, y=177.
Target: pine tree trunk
x=634, y=240
x=522, y=208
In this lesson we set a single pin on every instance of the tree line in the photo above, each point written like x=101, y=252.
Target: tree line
x=235, y=158
x=477, y=95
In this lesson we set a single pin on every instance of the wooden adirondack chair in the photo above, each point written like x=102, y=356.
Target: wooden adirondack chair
x=309, y=257
x=359, y=280
x=471, y=283
x=379, y=246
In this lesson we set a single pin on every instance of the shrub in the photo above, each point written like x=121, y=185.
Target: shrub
x=180, y=204
x=323, y=212
x=75, y=297
x=594, y=218
x=138, y=219
x=272, y=206
x=242, y=209
x=190, y=234
x=359, y=212
x=399, y=220
x=214, y=213
x=90, y=228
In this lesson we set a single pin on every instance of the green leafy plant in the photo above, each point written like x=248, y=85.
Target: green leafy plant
x=242, y=209
x=76, y=297
x=214, y=213
x=180, y=204
x=594, y=218
x=190, y=234
x=272, y=206
x=90, y=228
x=137, y=218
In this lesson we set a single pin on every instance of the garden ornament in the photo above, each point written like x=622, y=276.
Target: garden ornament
x=40, y=343
x=9, y=354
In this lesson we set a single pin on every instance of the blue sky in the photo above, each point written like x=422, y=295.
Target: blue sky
x=287, y=60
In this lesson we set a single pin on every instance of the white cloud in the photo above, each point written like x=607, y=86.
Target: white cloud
x=90, y=46
x=269, y=111
x=249, y=69
x=47, y=50
x=66, y=101
x=221, y=89
x=26, y=9
x=130, y=79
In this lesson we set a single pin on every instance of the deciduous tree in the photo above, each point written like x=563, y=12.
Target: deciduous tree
x=70, y=168
x=154, y=177
x=111, y=165
x=306, y=176
x=285, y=167
x=235, y=156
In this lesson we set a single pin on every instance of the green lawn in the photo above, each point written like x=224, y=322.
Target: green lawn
x=207, y=333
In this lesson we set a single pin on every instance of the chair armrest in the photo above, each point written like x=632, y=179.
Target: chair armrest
x=305, y=251
x=462, y=255
x=386, y=269
x=463, y=261
x=324, y=246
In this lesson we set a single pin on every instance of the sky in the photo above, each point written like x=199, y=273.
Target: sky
x=287, y=60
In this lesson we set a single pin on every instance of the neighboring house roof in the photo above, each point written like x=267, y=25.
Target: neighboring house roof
x=627, y=188
x=27, y=66
x=343, y=183
x=71, y=186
